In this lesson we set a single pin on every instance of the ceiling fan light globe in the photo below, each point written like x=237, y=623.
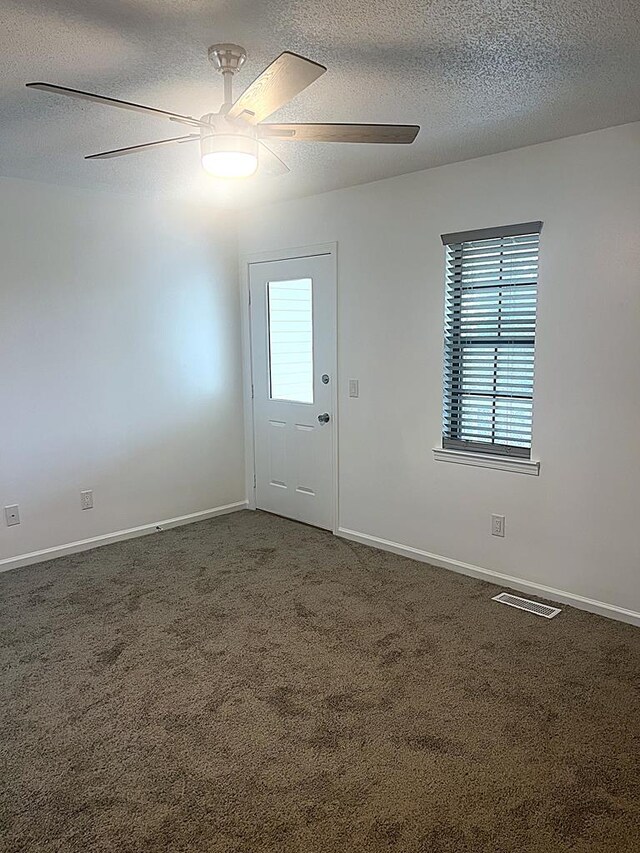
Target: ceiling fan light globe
x=229, y=164
x=229, y=156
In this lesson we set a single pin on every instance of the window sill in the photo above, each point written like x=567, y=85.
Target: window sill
x=485, y=460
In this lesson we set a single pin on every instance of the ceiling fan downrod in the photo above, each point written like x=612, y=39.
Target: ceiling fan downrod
x=228, y=59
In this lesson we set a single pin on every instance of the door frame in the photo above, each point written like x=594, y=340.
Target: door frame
x=331, y=250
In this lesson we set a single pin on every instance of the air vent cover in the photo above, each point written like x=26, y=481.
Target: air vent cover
x=525, y=604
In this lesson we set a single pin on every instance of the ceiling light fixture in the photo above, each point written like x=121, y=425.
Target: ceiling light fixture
x=230, y=138
x=229, y=156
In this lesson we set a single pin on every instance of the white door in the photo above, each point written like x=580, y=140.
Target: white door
x=293, y=345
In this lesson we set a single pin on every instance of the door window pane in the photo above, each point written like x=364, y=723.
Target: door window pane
x=290, y=307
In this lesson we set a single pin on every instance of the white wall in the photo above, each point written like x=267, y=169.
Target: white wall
x=119, y=363
x=575, y=527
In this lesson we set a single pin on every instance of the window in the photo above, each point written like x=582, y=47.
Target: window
x=290, y=306
x=490, y=321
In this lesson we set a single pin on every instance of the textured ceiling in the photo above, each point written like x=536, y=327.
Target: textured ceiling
x=480, y=76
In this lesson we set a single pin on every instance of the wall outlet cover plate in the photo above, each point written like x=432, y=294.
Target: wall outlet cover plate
x=12, y=515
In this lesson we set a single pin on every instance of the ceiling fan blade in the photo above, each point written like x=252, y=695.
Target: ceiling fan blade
x=270, y=163
x=112, y=102
x=399, y=134
x=281, y=81
x=133, y=149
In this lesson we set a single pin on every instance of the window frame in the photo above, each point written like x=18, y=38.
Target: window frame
x=475, y=448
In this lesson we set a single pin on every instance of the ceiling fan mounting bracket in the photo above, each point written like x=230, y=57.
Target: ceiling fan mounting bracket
x=227, y=58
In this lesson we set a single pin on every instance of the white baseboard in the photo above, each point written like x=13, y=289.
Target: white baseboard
x=118, y=536
x=612, y=611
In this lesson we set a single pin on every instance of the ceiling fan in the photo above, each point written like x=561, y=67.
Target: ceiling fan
x=232, y=140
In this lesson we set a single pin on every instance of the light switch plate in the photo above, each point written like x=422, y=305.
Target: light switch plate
x=354, y=390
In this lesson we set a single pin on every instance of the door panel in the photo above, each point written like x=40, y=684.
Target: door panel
x=293, y=346
x=277, y=454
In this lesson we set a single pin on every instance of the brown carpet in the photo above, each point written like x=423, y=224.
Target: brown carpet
x=251, y=684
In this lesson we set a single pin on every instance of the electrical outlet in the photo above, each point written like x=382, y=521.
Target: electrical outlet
x=12, y=515
x=497, y=525
x=86, y=499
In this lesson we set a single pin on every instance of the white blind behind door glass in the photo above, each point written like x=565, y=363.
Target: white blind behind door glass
x=490, y=321
x=290, y=306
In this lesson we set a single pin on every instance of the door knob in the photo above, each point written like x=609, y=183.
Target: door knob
x=324, y=418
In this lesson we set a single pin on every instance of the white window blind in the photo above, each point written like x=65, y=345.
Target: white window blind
x=490, y=323
x=290, y=305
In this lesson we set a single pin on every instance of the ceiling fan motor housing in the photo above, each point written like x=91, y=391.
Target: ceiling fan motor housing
x=217, y=126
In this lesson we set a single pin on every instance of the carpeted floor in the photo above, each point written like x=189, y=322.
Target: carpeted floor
x=250, y=684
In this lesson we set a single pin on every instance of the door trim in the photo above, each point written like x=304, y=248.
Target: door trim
x=330, y=249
